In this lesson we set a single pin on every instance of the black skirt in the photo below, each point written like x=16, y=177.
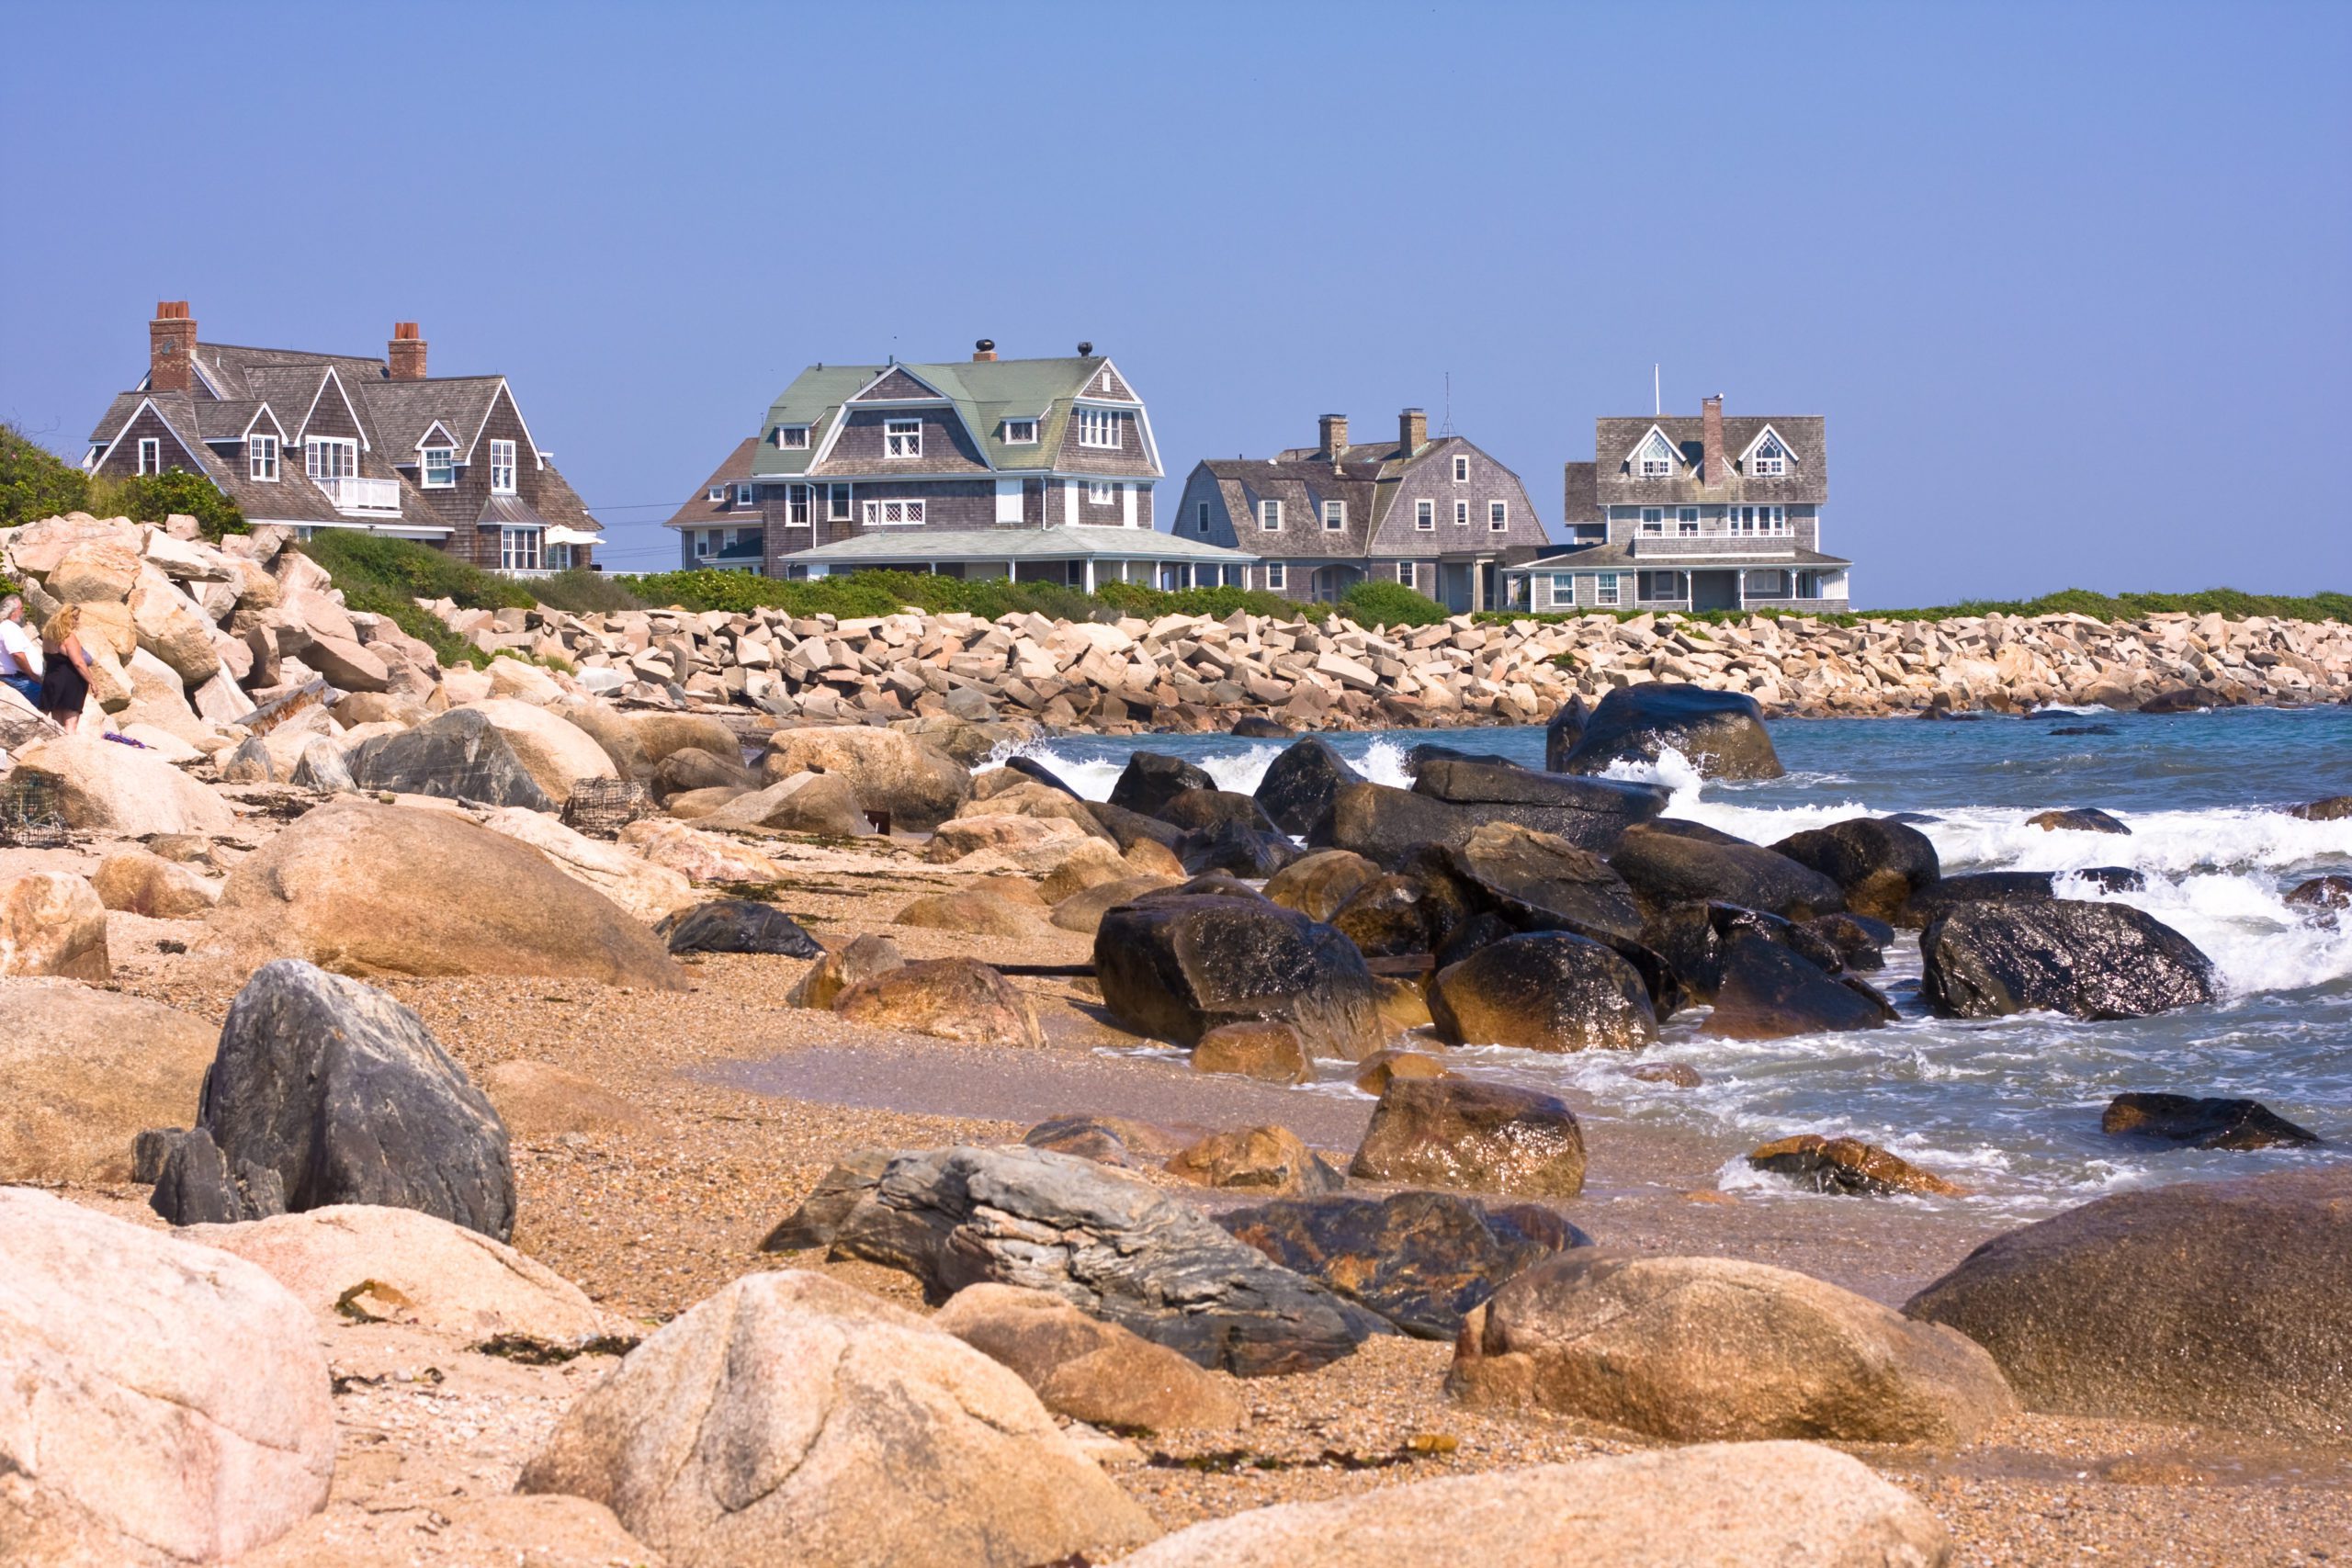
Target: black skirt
x=63, y=687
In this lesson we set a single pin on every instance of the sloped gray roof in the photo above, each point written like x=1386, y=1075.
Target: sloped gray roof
x=1066, y=542
x=1615, y=441
x=700, y=510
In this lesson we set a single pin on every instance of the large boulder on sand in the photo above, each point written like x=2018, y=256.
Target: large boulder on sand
x=2085, y=958
x=955, y=998
x=918, y=786
x=462, y=755
x=650, y=892
x=801, y=803
x=555, y=752
x=1151, y=779
x=367, y=889
x=1716, y=1349
x=1485, y=1137
x=87, y=1070
x=118, y=790
x=1880, y=863
x=142, y=883
x=1549, y=991
x=2217, y=1302
x=52, y=922
x=335, y=1093
x=1177, y=964
x=1786, y=1505
x=1722, y=733
x=795, y=1421
x=160, y=1403
x=1086, y=1369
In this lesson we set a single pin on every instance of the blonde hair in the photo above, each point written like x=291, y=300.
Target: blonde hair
x=62, y=625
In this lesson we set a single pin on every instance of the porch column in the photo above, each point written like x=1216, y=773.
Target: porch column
x=1089, y=574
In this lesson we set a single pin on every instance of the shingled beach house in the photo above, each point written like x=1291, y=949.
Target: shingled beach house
x=344, y=441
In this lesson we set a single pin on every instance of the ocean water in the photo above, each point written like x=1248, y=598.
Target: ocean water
x=2008, y=1107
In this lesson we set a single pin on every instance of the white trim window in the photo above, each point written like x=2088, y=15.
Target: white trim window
x=1270, y=516
x=150, y=455
x=1655, y=459
x=894, y=514
x=1201, y=516
x=1104, y=428
x=1462, y=514
x=796, y=506
x=1498, y=517
x=1100, y=492
x=332, y=457
x=1652, y=519
x=902, y=438
x=1335, y=516
x=1770, y=459
x=1460, y=470
x=1564, y=588
x=1757, y=520
x=745, y=497
x=1604, y=588
x=1020, y=433
x=1405, y=572
x=502, y=467
x=261, y=458
x=520, y=550
x=792, y=437
x=1686, y=520
x=705, y=540
x=1277, y=576
x=438, y=468
x=837, y=508
x=719, y=492
x=1425, y=516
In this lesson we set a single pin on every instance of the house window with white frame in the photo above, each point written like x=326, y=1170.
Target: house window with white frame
x=1100, y=492
x=1201, y=516
x=1270, y=516
x=1275, y=575
x=1564, y=588
x=796, y=506
x=1104, y=428
x=518, y=549
x=437, y=467
x=837, y=504
x=1757, y=519
x=1770, y=459
x=1405, y=572
x=1462, y=514
x=502, y=469
x=1020, y=433
x=744, y=498
x=719, y=492
x=1656, y=460
x=150, y=455
x=705, y=539
x=902, y=438
x=1425, y=516
x=261, y=458
x=1460, y=470
x=332, y=457
x=1498, y=517
x=792, y=437
x=1686, y=520
x=1604, y=588
x=1652, y=519
x=893, y=514
x=1335, y=516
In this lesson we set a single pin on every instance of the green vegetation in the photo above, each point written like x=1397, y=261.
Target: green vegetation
x=385, y=576
x=151, y=498
x=585, y=593
x=2227, y=602
x=35, y=483
x=1375, y=603
x=886, y=593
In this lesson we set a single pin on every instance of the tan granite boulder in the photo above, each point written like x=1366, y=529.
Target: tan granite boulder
x=104, y=788
x=88, y=1070
x=955, y=998
x=143, y=883
x=645, y=890
x=52, y=923
x=918, y=786
x=698, y=856
x=1271, y=1160
x=102, y=570
x=1255, y=1048
x=972, y=913
x=1082, y=912
x=802, y=802
x=1482, y=1138
x=1089, y=1369
x=852, y=964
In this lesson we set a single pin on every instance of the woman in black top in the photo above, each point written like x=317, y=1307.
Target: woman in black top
x=66, y=668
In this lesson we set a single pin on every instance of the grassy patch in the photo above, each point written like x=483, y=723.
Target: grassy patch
x=2229, y=601
x=886, y=592
x=1375, y=603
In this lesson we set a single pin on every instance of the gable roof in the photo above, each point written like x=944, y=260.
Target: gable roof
x=1618, y=482
x=984, y=392
x=700, y=510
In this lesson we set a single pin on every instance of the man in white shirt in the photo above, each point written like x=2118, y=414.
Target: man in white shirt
x=19, y=652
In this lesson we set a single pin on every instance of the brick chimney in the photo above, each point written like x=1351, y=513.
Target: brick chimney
x=171, y=348
x=1334, y=437
x=984, y=350
x=1713, y=471
x=1412, y=431
x=404, y=356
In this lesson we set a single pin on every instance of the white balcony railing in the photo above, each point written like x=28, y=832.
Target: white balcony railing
x=356, y=497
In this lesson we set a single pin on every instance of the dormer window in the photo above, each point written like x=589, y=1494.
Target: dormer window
x=440, y=467
x=902, y=438
x=1335, y=516
x=1462, y=470
x=1270, y=516
x=1770, y=459
x=1020, y=433
x=744, y=496
x=792, y=437
x=719, y=492
x=1655, y=459
x=1105, y=428
x=502, y=467
x=261, y=457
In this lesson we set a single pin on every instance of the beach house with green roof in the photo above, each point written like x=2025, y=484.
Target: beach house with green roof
x=1036, y=469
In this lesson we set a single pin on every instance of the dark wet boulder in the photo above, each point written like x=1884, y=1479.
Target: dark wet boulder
x=1419, y=1259
x=1128, y=827
x=1847, y=1165
x=736, y=925
x=1318, y=883
x=2183, y=699
x=1562, y=733
x=1591, y=813
x=459, y=756
x=196, y=1185
x=1663, y=869
x=1195, y=810
x=1243, y=852
x=1176, y=964
x=2081, y=819
x=1547, y=992
x=2009, y=887
x=1878, y=863
x=1482, y=1137
x=1514, y=866
x=1860, y=942
x=1722, y=733
x=2217, y=1302
x=1122, y=1250
x=1152, y=779
x=1429, y=752
x=1481, y=930
x=1386, y=918
x=1387, y=825
x=1764, y=990
x=2085, y=959
x=2321, y=894
x=1697, y=832
x=1300, y=787
x=2335, y=808
x=2202, y=1123
x=1029, y=767
x=1258, y=727
x=339, y=1095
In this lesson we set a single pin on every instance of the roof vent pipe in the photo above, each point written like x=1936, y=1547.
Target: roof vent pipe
x=984, y=350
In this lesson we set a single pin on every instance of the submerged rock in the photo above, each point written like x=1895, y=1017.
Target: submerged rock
x=2081, y=819
x=2089, y=960
x=1722, y=733
x=1485, y=1137
x=2202, y=1123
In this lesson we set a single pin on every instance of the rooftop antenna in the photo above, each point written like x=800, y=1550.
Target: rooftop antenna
x=1658, y=405
x=1446, y=428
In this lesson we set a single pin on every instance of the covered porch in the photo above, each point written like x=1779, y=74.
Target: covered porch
x=1073, y=557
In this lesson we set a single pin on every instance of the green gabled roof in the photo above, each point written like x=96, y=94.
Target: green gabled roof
x=986, y=391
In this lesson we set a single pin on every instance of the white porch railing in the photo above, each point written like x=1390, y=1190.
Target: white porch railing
x=356, y=497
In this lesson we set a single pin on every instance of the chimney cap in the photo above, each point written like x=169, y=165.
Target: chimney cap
x=405, y=331
x=1085, y=349
x=171, y=310
x=985, y=344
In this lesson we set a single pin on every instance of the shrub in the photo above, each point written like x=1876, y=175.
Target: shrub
x=410, y=571
x=35, y=482
x=886, y=593
x=585, y=593
x=151, y=498
x=2228, y=602
x=1376, y=603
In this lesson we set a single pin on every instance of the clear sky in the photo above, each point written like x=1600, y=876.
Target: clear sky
x=2072, y=282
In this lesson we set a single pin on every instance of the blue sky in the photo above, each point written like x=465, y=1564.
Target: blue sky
x=2072, y=283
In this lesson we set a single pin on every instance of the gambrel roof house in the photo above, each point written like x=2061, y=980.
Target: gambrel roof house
x=938, y=466
x=1712, y=513
x=343, y=441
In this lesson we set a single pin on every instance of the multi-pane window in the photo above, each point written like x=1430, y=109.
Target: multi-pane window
x=837, y=504
x=902, y=438
x=1100, y=492
x=1335, y=516
x=1102, y=427
x=1652, y=519
x=518, y=549
x=704, y=538
x=502, y=469
x=1460, y=470
x=1604, y=588
x=261, y=457
x=1425, y=516
x=1462, y=514
x=1405, y=572
x=1270, y=515
x=744, y=497
x=893, y=514
x=1757, y=519
x=1498, y=517
x=1686, y=520
x=792, y=437
x=1276, y=575
x=1771, y=459
x=1564, y=588
x=440, y=466
x=1654, y=587
x=334, y=458
x=1201, y=516
x=1020, y=433
x=1656, y=460
x=150, y=455
x=796, y=506
x=718, y=492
